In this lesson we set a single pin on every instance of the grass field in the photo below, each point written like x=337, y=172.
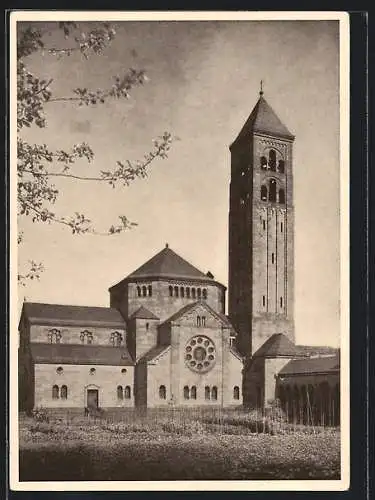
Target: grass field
x=169, y=450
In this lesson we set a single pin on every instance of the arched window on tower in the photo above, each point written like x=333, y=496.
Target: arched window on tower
x=193, y=392
x=176, y=291
x=281, y=166
x=193, y=293
x=182, y=292
x=188, y=292
x=263, y=162
x=272, y=160
x=263, y=193
x=139, y=291
x=199, y=293
x=204, y=293
x=236, y=392
x=144, y=291
x=214, y=393
x=127, y=392
x=149, y=290
x=170, y=290
x=272, y=193
x=282, y=196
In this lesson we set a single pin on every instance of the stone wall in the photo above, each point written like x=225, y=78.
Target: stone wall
x=78, y=379
x=71, y=334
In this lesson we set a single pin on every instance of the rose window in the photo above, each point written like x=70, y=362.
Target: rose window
x=200, y=354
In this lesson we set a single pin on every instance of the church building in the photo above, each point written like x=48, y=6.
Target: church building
x=165, y=338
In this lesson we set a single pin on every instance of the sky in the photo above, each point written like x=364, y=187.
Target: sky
x=204, y=80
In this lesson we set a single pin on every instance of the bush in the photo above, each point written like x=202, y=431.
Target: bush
x=40, y=414
x=188, y=428
x=43, y=427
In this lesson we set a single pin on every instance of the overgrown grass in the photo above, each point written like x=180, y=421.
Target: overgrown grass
x=229, y=447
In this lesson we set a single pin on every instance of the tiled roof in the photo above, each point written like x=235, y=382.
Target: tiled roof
x=263, y=119
x=37, y=312
x=167, y=264
x=143, y=313
x=314, y=350
x=277, y=345
x=189, y=307
x=154, y=353
x=72, y=354
x=236, y=353
x=306, y=366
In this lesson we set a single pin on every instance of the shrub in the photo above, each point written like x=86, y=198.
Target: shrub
x=40, y=414
x=43, y=427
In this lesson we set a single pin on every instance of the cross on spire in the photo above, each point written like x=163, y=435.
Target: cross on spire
x=261, y=88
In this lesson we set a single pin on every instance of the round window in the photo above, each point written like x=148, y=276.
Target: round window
x=123, y=370
x=92, y=371
x=59, y=370
x=200, y=354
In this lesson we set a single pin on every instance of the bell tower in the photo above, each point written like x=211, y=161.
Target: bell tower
x=261, y=230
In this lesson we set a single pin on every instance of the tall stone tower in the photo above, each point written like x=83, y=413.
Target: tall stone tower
x=261, y=230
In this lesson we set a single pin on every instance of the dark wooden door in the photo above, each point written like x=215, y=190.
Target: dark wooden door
x=92, y=398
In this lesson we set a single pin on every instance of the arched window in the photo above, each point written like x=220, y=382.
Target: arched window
x=139, y=291
x=282, y=196
x=263, y=193
x=170, y=290
x=54, y=336
x=272, y=159
x=162, y=392
x=55, y=392
x=263, y=162
x=149, y=290
x=193, y=392
x=193, y=293
x=214, y=393
x=186, y=392
x=198, y=321
x=199, y=293
x=203, y=320
x=144, y=291
x=188, y=292
x=207, y=392
x=127, y=392
x=281, y=167
x=116, y=339
x=272, y=193
x=120, y=393
x=204, y=293
x=281, y=302
x=64, y=392
x=182, y=292
x=236, y=392
x=176, y=291
x=86, y=337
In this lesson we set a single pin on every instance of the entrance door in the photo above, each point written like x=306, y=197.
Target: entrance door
x=92, y=398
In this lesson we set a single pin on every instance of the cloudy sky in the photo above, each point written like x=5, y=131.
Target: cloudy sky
x=203, y=83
